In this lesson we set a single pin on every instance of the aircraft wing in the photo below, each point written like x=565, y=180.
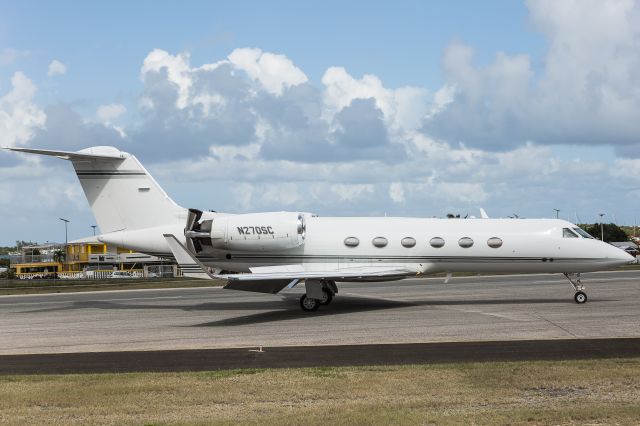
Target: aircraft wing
x=272, y=279
x=342, y=274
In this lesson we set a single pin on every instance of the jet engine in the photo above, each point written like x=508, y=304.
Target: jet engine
x=245, y=232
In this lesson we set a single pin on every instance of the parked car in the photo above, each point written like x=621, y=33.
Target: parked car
x=121, y=274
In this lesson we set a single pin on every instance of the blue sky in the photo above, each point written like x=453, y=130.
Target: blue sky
x=401, y=42
x=408, y=108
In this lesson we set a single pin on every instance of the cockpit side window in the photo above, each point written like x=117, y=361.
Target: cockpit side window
x=568, y=233
x=583, y=233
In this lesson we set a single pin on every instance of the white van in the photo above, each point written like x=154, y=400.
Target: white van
x=121, y=274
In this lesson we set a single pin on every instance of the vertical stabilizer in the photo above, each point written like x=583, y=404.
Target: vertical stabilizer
x=120, y=191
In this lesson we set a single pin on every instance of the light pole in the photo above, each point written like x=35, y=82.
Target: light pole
x=94, y=230
x=601, y=227
x=557, y=211
x=66, y=239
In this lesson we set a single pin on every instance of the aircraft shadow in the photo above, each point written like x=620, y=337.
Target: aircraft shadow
x=350, y=304
x=208, y=306
x=345, y=305
x=288, y=307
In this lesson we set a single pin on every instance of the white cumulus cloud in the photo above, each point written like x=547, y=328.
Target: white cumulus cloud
x=108, y=113
x=403, y=108
x=20, y=117
x=585, y=92
x=56, y=68
x=275, y=72
x=177, y=69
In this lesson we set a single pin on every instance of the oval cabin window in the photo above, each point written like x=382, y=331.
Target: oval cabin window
x=351, y=242
x=437, y=242
x=465, y=242
x=494, y=242
x=380, y=241
x=408, y=242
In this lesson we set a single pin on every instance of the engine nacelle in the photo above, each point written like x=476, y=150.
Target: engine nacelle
x=249, y=232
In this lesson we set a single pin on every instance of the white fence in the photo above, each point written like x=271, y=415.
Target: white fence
x=78, y=275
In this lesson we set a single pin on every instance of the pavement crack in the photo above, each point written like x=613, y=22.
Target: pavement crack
x=554, y=324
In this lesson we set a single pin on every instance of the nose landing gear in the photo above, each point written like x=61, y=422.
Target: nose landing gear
x=580, y=296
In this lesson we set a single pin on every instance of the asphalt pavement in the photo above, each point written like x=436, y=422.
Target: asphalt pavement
x=415, y=311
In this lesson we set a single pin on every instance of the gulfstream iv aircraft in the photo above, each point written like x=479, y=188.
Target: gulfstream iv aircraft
x=270, y=251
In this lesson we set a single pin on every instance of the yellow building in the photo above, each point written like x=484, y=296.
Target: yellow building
x=85, y=258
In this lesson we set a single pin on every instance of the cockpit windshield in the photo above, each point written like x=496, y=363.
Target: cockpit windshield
x=568, y=233
x=583, y=233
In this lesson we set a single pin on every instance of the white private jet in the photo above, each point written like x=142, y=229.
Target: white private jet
x=270, y=251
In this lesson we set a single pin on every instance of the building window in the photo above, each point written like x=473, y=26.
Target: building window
x=465, y=242
x=437, y=242
x=408, y=242
x=380, y=242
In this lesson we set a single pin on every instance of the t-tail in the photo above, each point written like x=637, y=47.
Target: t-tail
x=130, y=208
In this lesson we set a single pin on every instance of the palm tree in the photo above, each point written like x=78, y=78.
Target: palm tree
x=59, y=256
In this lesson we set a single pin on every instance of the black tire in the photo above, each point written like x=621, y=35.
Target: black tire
x=327, y=297
x=309, y=305
x=580, y=297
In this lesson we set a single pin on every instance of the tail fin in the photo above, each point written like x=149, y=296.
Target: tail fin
x=120, y=191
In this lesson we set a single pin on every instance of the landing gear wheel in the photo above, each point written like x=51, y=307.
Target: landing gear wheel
x=327, y=297
x=309, y=305
x=580, y=297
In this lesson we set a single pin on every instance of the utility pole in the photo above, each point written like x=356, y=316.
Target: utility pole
x=66, y=239
x=601, y=227
x=94, y=230
x=557, y=211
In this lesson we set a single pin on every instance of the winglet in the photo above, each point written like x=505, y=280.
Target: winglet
x=190, y=265
x=483, y=214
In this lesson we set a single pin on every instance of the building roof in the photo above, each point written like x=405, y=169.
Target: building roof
x=86, y=240
x=624, y=244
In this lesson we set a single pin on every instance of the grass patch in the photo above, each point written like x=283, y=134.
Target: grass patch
x=568, y=392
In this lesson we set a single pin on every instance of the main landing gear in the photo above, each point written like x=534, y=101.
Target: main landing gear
x=318, y=293
x=580, y=296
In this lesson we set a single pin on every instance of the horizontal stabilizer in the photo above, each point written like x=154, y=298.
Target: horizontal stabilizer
x=95, y=153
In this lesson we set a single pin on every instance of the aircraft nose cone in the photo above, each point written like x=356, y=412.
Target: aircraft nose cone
x=629, y=258
x=622, y=256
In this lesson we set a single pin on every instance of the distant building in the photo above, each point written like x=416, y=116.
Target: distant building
x=86, y=258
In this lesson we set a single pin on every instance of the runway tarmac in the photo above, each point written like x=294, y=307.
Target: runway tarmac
x=469, y=309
